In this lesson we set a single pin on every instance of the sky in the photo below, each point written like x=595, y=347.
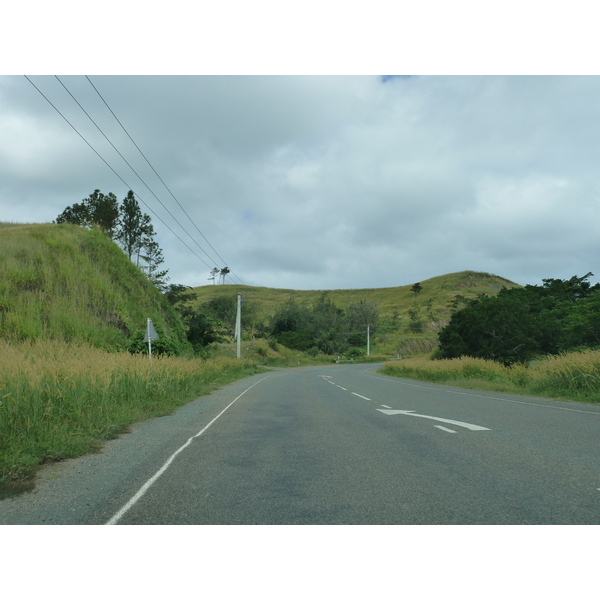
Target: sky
x=321, y=182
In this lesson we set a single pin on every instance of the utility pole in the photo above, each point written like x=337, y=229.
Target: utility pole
x=238, y=326
x=238, y=323
x=368, y=340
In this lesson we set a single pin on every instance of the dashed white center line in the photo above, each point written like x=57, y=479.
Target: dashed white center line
x=342, y=388
x=363, y=397
x=385, y=406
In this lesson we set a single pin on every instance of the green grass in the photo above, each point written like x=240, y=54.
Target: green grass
x=571, y=376
x=62, y=282
x=60, y=401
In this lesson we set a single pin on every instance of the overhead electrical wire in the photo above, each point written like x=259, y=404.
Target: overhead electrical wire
x=141, y=179
x=129, y=165
x=155, y=172
x=106, y=163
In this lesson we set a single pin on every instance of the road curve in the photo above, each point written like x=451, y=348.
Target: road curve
x=335, y=445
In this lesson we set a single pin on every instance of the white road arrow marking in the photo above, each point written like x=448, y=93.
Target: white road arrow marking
x=412, y=413
x=445, y=428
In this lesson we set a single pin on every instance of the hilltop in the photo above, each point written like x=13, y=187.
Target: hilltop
x=67, y=283
x=396, y=305
x=437, y=292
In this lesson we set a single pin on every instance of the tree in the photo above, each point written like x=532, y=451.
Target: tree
x=135, y=227
x=416, y=289
x=224, y=272
x=178, y=295
x=201, y=329
x=213, y=275
x=359, y=316
x=78, y=214
x=126, y=224
x=321, y=326
x=520, y=323
x=95, y=210
x=153, y=256
x=105, y=212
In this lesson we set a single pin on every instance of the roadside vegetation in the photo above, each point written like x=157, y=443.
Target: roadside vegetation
x=572, y=376
x=60, y=400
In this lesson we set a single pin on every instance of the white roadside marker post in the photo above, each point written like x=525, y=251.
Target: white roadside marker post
x=150, y=335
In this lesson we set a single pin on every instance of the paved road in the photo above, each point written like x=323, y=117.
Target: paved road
x=336, y=445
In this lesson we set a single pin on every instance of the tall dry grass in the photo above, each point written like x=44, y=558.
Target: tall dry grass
x=59, y=400
x=574, y=375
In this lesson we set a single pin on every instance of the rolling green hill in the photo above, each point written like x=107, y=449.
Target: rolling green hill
x=62, y=282
x=394, y=334
x=437, y=292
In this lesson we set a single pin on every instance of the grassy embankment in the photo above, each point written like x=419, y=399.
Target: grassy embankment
x=61, y=282
x=573, y=376
x=70, y=303
x=59, y=400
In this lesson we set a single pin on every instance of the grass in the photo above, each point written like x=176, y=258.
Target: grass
x=62, y=282
x=436, y=293
x=573, y=376
x=60, y=401
x=393, y=335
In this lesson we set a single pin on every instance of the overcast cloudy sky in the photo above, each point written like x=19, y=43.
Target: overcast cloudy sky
x=323, y=182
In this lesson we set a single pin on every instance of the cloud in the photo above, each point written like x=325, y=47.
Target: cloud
x=321, y=182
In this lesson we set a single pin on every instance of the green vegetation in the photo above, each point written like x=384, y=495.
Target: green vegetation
x=63, y=282
x=73, y=312
x=60, y=400
x=574, y=375
x=125, y=224
x=519, y=324
x=405, y=324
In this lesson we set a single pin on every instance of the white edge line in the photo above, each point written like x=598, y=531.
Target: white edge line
x=117, y=517
x=451, y=390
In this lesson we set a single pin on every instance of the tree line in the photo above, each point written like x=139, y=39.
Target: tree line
x=521, y=323
x=320, y=327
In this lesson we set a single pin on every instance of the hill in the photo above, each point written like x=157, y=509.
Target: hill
x=63, y=282
x=437, y=292
x=403, y=317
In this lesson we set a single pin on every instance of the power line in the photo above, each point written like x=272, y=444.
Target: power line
x=129, y=165
x=155, y=172
x=106, y=163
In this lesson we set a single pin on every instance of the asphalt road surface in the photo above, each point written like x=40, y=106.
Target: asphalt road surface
x=335, y=445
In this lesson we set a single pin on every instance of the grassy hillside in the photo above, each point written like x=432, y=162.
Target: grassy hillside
x=394, y=334
x=437, y=292
x=61, y=282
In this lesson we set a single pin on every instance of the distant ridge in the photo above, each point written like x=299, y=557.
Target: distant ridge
x=433, y=300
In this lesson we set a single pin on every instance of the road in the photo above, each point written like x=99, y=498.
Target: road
x=335, y=445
